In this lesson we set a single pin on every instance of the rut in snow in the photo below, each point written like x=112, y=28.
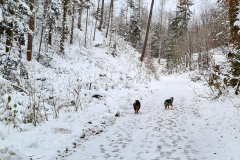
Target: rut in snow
x=154, y=133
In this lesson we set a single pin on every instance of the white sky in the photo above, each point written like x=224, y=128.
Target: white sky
x=171, y=4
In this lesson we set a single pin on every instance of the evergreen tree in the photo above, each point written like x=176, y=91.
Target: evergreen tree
x=155, y=40
x=183, y=15
x=178, y=28
x=135, y=31
x=135, y=28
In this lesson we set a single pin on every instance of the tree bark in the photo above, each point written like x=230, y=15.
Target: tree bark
x=101, y=21
x=148, y=27
x=30, y=35
x=64, y=28
x=80, y=15
x=44, y=16
x=9, y=37
x=96, y=22
x=85, y=44
x=71, y=37
x=50, y=33
x=109, y=17
x=233, y=11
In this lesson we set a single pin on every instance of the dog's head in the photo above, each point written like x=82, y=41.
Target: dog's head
x=137, y=102
x=171, y=98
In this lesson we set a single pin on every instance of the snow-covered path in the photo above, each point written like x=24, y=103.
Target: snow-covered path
x=155, y=133
x=193, y=129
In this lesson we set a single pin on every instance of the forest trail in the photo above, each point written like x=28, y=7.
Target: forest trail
x=155, y=133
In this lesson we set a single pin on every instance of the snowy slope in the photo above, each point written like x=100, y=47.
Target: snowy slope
x=85, y=127
x=74, y=113
x=193, y=129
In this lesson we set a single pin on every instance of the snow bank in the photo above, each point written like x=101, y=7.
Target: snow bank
x=77, y=96
x=10, y=153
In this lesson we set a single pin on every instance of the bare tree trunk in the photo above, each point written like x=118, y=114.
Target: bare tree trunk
x=64, y=28
x=40, y=45
x=30, y=35
x=233, y=11
x=85, y=44
x=44, y=16
x=148, y=27
x=71, y=37
x=80, y=15
x=96, y=22
x=9, y=37
x=101, y=21
x=50, y=33
x=162, y=5
x=109, y=17
x=1, y=31
x=111, y=26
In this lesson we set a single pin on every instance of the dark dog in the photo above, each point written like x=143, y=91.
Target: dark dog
x=136, y=106
x=168, y=102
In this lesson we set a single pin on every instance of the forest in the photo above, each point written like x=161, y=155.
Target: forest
x=62, y=58
x=175, y=35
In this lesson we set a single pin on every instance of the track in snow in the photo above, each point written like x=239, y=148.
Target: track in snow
x=155, y=133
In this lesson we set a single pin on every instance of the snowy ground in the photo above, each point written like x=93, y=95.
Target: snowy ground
x=72, y=81
x=193, y=129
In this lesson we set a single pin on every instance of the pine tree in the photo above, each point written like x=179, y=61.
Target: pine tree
x=155, y=40
x=183, y=15
x=135, y=31
x=53, y=13
x=178, y=28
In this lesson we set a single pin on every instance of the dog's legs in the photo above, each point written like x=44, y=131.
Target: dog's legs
x=172, y=105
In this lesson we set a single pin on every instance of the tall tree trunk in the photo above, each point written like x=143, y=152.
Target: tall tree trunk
x=1, y=31
x=50, y=27
x=44, y=16
x=9, y=40
x=233, y=11
x=148, y=27
x=40, y=45
x=50, y=33
x=30, y=35
x=80, y=15
x=85, y=44
x=109, y=17
x=111, y=26
x=64, y=27
x=71, y=38
x=101, y=21
x=96, y=21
